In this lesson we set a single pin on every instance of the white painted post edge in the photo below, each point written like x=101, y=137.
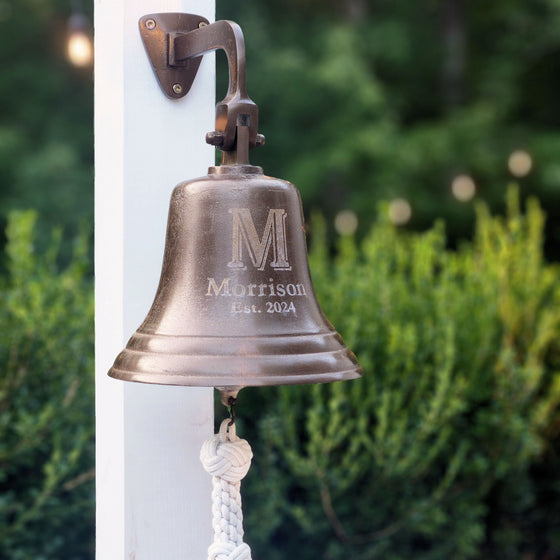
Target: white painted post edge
x=153, y=496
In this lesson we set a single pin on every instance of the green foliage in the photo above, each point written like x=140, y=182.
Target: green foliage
x=368, y=101
x=46, y=117
x=429, y=455
x=353, y=101
x=358, y=104
x=46, y=399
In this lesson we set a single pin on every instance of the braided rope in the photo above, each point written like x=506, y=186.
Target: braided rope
x=227, y=458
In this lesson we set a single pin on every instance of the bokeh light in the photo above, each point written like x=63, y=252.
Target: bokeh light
x=80, y=49
x=346, y=222
x=520, y=163
x=463, y=188
x=400, y=211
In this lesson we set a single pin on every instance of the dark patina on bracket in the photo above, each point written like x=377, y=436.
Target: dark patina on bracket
x=175, y=44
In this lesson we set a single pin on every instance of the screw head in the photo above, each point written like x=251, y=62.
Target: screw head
x=177, y=88
x=150, y=24
x=202, y=24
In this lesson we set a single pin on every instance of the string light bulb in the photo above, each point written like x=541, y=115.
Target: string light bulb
x=520, y=163
x=463, y=188
x=346, y=222
x=400, y=211
x=79, y=47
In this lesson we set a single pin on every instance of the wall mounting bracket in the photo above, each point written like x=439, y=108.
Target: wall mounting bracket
x=175, y=44
x=174, y=77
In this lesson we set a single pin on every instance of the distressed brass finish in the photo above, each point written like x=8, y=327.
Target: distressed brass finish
x=236, y=105
x=235, y=306
x=175, y=79
x=175, y=44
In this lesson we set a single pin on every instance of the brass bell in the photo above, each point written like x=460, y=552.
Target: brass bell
x=235, y=306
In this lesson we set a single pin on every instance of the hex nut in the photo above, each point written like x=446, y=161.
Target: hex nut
x=215, y=138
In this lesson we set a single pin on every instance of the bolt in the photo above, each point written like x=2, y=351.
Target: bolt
x=150, y=24
x=202, y=24
x=259, y=140
x=177, y=88
x=215, y=138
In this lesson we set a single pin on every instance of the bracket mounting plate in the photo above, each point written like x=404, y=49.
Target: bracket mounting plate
x=155, y=29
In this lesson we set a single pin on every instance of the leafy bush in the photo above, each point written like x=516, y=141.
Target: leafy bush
x=46, y=400
x=430, y=454
x=446, y=448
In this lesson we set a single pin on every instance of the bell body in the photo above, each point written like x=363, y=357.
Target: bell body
x=235, y=305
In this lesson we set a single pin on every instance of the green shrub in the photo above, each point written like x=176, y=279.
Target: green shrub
x=429, y=455
x=46, y=400
x=446, y=448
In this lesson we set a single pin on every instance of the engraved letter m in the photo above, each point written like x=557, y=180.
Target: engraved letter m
x=245, y=235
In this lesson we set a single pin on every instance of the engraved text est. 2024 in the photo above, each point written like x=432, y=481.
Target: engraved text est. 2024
x=257, y=248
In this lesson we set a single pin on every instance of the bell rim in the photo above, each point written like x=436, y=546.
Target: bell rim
x=236, y=361
x=270, y=380
x=215, y=345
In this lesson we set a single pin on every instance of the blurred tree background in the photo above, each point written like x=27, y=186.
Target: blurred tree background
x=449, y=447
x=360, y=102
x=46, y=116
x=364, y=101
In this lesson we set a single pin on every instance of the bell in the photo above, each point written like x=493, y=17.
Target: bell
x=235, y=306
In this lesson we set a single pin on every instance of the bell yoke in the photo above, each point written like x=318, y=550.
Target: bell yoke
x=235, y=305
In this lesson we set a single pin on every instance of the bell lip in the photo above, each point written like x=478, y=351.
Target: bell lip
x=206, y=361
x=269, y=380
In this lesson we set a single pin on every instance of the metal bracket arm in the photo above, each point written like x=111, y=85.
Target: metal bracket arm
x=184, y=38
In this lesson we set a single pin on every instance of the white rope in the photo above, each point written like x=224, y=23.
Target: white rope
x=227, y=458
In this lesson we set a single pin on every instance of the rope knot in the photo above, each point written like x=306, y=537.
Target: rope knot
x=226, y=456
x=229, y=551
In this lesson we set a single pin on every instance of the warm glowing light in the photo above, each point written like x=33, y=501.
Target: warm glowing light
x=463, y=188
x=80, y=49
x=400, y=211
x=346, y=222
x=520, y=163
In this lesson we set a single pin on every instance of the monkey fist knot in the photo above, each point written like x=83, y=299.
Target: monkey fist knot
x=226, y=456
x=229, y=551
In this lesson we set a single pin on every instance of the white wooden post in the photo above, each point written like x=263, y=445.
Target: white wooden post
x=153, y=496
